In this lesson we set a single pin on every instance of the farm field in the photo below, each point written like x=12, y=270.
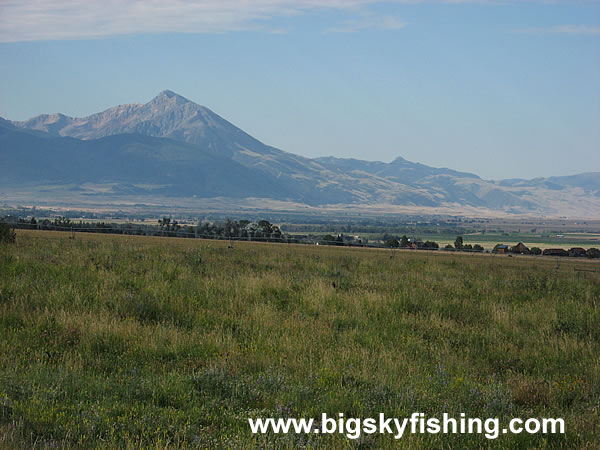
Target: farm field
x=123, y=341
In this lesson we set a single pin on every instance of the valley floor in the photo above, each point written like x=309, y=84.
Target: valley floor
x=123, y=341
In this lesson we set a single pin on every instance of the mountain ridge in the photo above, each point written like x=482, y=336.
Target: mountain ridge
x=192, y=139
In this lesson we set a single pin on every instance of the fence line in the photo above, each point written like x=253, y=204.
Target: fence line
x=153, y=232
x=183, y=234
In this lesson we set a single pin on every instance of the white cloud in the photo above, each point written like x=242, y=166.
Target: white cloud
x=31, y=20
x=70, y=19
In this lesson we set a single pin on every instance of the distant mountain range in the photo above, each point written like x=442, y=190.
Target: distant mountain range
x=175, y=148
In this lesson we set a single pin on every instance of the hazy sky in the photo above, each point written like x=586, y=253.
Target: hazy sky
x=500, y=88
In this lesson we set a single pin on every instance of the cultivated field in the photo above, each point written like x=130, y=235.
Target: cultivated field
x=115, y=341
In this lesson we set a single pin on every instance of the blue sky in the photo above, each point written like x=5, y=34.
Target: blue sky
x=500, y=88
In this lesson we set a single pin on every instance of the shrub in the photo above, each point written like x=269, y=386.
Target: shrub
x=7, y=233
x=391, y=242
x=458, y=243
x=535, y=250
x=593, y=253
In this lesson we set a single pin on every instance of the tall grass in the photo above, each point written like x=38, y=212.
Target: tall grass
x=111, y=341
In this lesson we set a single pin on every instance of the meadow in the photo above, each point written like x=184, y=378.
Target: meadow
x=124, y=341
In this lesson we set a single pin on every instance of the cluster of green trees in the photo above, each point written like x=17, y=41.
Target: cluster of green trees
x=392, y=242
x=262, y=230
x=171, y=228
x=229, y=229
x=460, y=245
x=431, y=245
x=404, y=242
x=593, y=253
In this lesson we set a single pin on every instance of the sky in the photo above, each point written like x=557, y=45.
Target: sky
x=501, y=88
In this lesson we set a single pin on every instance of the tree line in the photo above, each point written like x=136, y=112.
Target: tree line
x=262, y=230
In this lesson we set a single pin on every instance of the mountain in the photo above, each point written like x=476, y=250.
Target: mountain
x=589, y=181
x=399, y=170
x=174, y=147
x=162, y=166
x=168, y=115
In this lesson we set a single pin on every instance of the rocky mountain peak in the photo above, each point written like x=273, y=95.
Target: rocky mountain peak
x=167, y=115
x=169, y=98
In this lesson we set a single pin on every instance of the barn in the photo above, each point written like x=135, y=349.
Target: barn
x=520, y=248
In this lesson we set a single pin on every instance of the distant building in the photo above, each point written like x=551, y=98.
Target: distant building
x=520, y=248
x=577, y=251
x=501, y=248
x=415, y=243
x=555, y=252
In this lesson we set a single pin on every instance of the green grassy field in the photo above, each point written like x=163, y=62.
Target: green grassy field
x=114, y=341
